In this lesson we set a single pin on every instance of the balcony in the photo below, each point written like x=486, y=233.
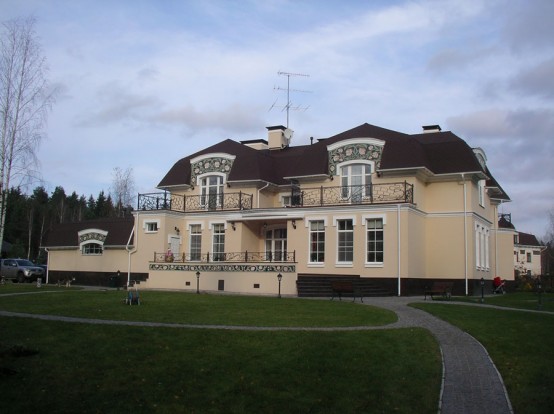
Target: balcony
x=231, y=257
x=402, y=192
x=389, y=193
x=193, y=203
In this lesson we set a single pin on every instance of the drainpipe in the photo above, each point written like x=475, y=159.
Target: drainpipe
x=48, y=263
x=263, y=188
x=399, y=241
x=465, y=235
x=131, y=251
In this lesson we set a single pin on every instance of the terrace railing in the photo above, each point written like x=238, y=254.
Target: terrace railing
x=190, y=203
x=402, y=192
x=234, y=257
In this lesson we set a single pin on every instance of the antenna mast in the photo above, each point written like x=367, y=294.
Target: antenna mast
x=288, y=105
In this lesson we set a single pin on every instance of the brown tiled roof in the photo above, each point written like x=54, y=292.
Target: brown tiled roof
x=66, y=234
x=526, y=239
x=440, y=153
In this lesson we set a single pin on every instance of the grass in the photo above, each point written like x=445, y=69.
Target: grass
x=190, y=308
x=520, y=344
x=519, y=300
x=112, y=369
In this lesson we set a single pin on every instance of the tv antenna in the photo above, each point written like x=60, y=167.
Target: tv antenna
x=289, y=105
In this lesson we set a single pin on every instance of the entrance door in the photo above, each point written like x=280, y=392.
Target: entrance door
x=276, y=245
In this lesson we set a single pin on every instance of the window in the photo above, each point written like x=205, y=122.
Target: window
x=375, y=241
x=482, y=259
x=92, y=249
x=218, y=247
x=528, y=257
x=195, y=242
x=317, y=241
x=276, y=245
x=356, y=182
x=481, y=186
x=151, y=226
x=345, y=230
x=211, y=192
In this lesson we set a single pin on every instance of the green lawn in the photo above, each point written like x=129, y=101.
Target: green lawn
x=190, y=308
x=520, y=344
x=112, y=369
x=519, y=300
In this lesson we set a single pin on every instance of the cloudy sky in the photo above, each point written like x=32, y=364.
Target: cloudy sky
x=144, y=83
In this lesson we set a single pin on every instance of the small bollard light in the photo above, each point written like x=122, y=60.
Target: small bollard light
x=539, y=286
x=482, y=290
x=197, y=282
x=279, y=278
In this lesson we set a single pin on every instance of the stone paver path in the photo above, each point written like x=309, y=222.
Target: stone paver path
x=471, y=382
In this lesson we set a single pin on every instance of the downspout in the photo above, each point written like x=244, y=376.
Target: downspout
x=496, y=241
x=131, y=251
x=48, y=263
x=465, y=234
x=399, y=241
x=263, y=188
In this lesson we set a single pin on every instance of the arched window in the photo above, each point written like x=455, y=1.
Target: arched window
x=356, y=182
x=211, y=191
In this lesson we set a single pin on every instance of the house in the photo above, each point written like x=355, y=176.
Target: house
x=91, y=252
x=527, y=254
x=393, y=212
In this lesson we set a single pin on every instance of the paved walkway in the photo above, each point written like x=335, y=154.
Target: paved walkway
x=471, y=382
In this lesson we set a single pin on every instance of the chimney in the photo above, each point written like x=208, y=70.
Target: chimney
x=278, y=137
x=428, y=129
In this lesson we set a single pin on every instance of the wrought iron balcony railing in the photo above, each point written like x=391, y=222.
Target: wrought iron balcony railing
x=188, y=203
x=235, y=257
x=354, y=194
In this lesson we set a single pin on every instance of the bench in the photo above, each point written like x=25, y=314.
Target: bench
x=443, y=289
x=344, y=286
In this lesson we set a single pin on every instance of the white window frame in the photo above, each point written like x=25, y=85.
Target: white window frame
x=147, y=223
x=349, y=185
x=204, y=188
x=191, y=235
x=310, y=231
x=383, y=219
x=218, y=255
x=85, y=249
x=344, y=263
x=481, y=188
x=482, y=252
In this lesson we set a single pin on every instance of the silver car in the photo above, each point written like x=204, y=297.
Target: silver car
x=20, y=270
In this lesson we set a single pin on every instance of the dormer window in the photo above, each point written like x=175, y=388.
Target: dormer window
x=92, y=249
x=356, y=182
x=211, y=191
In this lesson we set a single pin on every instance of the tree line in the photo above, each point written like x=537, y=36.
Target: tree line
x=29, y=217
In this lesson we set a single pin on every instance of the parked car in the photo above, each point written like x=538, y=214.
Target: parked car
x=20, y=270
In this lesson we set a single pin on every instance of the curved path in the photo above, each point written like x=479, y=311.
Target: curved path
x=471, y=382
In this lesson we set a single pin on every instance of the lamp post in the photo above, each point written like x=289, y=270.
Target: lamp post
x=279, y=278
x=482, y=290
x=197, y=281
x=539, y=286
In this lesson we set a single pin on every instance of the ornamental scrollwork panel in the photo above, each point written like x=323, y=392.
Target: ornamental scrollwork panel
x=352, y=152
x=207, y=165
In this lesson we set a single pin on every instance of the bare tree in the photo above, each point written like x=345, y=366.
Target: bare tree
x=25, y=98
x=123, y=189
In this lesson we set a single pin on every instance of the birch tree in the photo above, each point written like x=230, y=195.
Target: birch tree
x=123, y=188
x=25, y=99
